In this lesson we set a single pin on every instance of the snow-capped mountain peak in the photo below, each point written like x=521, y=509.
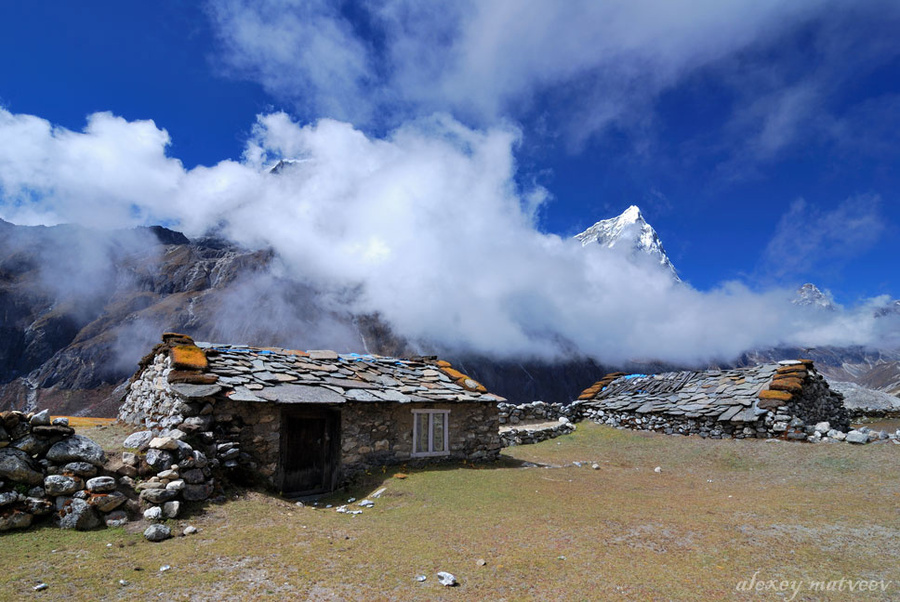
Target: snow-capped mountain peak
x=629, y=228
x=809, y=295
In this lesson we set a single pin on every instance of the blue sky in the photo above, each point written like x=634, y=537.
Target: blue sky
x=759, y=138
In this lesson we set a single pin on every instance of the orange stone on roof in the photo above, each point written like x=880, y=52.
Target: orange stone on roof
x=775, y=395
x=188, y=357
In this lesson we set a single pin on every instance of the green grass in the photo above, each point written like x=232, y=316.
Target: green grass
x=548, y=530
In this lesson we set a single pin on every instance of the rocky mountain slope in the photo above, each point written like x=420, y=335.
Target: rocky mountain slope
x=80, y=307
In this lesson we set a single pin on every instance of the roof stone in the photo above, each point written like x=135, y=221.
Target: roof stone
x=254, y=374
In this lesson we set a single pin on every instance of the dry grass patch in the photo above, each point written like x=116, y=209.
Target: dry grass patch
x=548, y=529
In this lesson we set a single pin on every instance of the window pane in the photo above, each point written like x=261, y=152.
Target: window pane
x=438, y=432
x=421, y=432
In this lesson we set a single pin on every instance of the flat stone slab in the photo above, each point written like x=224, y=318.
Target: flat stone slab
x=300, y=394
x=194, y=391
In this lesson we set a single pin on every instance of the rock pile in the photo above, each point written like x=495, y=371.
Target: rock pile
x=172, y=471
x=46, y=470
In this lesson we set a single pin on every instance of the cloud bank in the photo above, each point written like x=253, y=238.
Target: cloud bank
x=425, y=226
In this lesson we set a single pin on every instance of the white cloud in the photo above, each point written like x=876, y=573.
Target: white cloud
x=425, y=226
x=601, y=63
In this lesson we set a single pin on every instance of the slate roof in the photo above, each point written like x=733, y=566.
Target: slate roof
x=727, y=395
x=283, y=376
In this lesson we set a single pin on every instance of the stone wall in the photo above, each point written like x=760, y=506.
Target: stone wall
x=526, y=436
x=374, y=434
x=535, y=411
x=48, y=471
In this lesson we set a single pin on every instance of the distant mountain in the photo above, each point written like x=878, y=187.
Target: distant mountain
x=809, y=295
x=629, y=229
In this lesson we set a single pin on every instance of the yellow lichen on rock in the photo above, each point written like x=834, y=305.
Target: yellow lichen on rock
x=188, y=357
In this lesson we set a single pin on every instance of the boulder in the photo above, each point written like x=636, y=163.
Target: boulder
x=158, y=496
x=8, y=497
x=157, y=532
x=37, y=506
x=171, y=509
x=857, y=437
x=42, y=418
x=56, y=430
x=79, y=515
x=101, y=484
x=81, y=469
x=116, y=518
x=76, y=448
x=15, y=520
x=139, y=440
x=154, y=513
x=159, y=459
x=166, y=443
x=57, y=484
x=16, y=465
x=107, y=502
x=31, y=445
x=196, y=493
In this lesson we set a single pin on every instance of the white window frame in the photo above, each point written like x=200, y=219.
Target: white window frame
x=433, y=415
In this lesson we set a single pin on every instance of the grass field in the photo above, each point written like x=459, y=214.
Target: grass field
x=717, y=513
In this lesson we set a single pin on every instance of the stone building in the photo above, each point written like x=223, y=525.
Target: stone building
x=785, y=399
x=304, y=421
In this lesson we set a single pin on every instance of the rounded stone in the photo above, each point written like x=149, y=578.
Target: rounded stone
x=57, y=484
x=101, y=484
x=157, y=533
x=76, y=448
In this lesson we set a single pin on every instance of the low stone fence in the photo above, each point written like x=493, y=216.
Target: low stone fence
x=46, y=471
x=535, y=411
x=525, y=435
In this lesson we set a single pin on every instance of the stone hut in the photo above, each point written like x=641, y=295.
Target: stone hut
x=785, y=399
x=305, y=421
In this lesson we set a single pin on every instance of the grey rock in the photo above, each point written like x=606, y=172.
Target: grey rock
x=60, y=421
x=189, y=391
x=107, y=502
x=79, y=515
x=291, y=393
x=42, y=418
x=171, y=509
x=157, y=533
x=193, y=476
x=139, y=440
x=37, y=506
x=101, y=484
x=8, y=497
x=58, y=484
x=15, y=520
x=158, y=496
x=130, y=459
x=116, y=518
x=17, y=466
x=159, y=459
x=196, y=493
x=191, y=530
x=31, y=445
x=76, y=448
x=81, y=469
x=857, y=437
x=153, y=513
x=197, y=423
x=823, y=427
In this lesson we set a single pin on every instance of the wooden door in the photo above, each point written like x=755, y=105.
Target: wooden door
x=308, y=458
